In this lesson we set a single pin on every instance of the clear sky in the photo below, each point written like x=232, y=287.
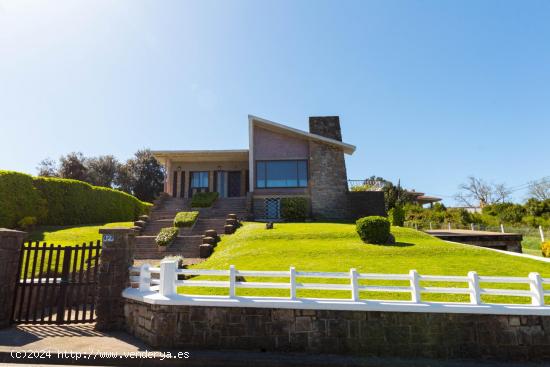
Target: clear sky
x=429, y=91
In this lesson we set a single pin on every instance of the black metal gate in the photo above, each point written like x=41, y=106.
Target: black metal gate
x=57, y=284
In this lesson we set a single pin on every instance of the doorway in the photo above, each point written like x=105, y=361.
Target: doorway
x=233, y=183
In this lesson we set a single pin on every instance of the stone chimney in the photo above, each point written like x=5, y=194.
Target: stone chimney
x=327, y=126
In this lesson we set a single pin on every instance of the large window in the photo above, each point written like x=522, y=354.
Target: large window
x=199, y=180
x=281, y=174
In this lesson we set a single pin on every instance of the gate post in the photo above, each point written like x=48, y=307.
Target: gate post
x=10, y=251
x=117, y=255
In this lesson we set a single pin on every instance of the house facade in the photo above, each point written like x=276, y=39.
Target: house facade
x=280, y=162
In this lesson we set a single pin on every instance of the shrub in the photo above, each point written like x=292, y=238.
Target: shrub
x=397, y=216
x=27, y=223
x=294, y=209
x=166, y=236
x=76, y=202
x=203, y=199
x=185, y=219
x=545, y=249
x=18, y=199
x=373, y=229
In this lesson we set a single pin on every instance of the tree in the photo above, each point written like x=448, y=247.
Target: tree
x=395, y=195
x=73, y=166
x=142, y=176
x=540, y=190
x=102, y=170
x=47, y=168
x=478, y=192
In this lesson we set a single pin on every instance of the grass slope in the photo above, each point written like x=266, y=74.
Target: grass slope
x=337, y=247
x=72, y=235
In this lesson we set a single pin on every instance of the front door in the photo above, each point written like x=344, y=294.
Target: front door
x=233, y=183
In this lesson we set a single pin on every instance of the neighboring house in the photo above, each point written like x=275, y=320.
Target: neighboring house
x=281, y=162
x=422, y=199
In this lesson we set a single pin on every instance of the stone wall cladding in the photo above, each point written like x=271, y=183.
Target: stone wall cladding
x=383, y=334
x=328, y=182
x=11, y=243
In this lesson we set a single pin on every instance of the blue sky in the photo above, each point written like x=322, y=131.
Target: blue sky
x=429, y=91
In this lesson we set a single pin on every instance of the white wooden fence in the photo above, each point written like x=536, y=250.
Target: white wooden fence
x=161, y=285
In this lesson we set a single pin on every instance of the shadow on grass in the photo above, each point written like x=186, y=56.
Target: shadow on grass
x=38, y=233
x=397, y=244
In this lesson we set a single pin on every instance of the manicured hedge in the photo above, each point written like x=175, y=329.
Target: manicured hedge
x=294, y=209
x=373, y=229
x=396, y=216
x=18, y=199
x=56, y=201
x=185, y=219
x=203, y=199
x=166, y=236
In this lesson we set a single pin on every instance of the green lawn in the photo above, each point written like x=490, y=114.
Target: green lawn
x=64, y=236
x=337, y=247
x=72, y=235
x=531, y=245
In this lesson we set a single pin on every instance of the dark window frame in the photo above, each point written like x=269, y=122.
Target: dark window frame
x=266, y=186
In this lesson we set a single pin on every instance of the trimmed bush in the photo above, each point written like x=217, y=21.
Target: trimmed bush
x=185, y=219
x=203, y=199
x=396, y=216
x=76, y=202
x=166, y=236
x=545, y=247
x=19, y=199
x=373, y=229
x=294, y=209
x=56, y=201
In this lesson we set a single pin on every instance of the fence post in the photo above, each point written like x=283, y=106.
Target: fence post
x=501, y=228
x=232, y=279
x=11, y=243
x=472, y=226
x=292, y=274
x=415, y=286
x=541, y=234
x=113, y=276
x=354, y=284
x=431, y=226
x=144, y=278
x=168, y=277
x=473, y=285
x=535, y=283
x=449, y=225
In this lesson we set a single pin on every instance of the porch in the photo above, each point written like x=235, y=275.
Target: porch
x=189, y=172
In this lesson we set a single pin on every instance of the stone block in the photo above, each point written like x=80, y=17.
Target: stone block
x=229, y=229
x=205, y=250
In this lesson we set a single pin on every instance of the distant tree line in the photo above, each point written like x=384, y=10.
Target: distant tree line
x=141, y=175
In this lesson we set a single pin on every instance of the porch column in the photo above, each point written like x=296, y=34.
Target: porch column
x=210, y=181
x=169, y=177
x=243, y=182
x=186, y=186
x=178, y=183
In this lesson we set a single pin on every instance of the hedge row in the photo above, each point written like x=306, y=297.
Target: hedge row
x=56, y=201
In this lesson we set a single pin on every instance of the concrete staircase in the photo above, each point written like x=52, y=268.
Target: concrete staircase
x=188, y=242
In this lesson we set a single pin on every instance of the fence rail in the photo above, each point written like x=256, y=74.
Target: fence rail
x=163, y=281
x=366, y=185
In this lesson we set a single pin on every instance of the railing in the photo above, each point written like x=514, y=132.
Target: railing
x=162, y=282
x=366, y=185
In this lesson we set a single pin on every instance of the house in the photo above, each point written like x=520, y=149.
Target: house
x=422, y=199
x=281, y=161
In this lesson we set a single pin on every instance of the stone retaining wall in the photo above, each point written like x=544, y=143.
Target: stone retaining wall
x=429, y=335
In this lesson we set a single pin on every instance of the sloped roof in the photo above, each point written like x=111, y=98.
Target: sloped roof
x=276, y=127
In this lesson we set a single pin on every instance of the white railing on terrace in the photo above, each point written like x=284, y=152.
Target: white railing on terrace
x=166, y=285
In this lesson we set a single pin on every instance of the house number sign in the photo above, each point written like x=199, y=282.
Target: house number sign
x=108, y=238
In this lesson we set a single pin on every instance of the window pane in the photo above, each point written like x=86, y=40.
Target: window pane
x=199, y=179
x=260, y=174
x=282, y=174
x=302, y=173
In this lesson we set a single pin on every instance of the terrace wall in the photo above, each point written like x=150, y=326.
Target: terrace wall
x=368, y=333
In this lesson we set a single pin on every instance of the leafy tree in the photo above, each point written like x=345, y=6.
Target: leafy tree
x=47, y=168
x=73, y=166
x=142, y=176
x=102, y=170
x=395, y=195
